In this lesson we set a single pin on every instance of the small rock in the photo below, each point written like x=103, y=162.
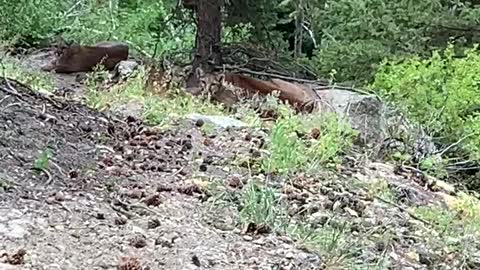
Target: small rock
x=135, y=194
x=153, y=200
x=196, y=261
x=247, y=238
x=289, y=255
x=138, y=241
x=120, y=220
x=125, y=68
x=100, y=215
x=50, y=200
x=234, y=182
x=203, y=167
x=73, y=174
x=199, y=122
x=315, y=133
x=129, y=263
x=153, y=223
x=412, y=256
x=164, y=242
x=351, y=212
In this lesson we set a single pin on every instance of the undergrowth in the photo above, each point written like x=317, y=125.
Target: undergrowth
x=441, y=93
x=37, y=80
x=306, y=143
x=156, y=110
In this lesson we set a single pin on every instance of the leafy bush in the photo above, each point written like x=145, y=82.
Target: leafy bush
x=352, y=61
x=441, y=93
x=29, y=22
x=90, y=21
x=354, y=36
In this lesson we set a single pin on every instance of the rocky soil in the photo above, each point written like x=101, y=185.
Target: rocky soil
x=81, y=189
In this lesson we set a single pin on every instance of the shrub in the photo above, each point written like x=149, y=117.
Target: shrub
x=354, y=36
x=441, y=93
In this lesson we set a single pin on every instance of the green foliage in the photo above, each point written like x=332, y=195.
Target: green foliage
x=259, y=205
x=155, y=109
x=31, y=21
x=42, y=161
x=356, y=35
x=354, y=61
x=441, y=93
x=457, y=228
x=289, y=152
x=143, y=24
x=13, y=68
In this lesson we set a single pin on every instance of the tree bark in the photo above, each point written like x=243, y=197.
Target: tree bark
x=299, y=18
x=207, y=40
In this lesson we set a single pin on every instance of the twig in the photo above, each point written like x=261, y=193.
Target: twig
x=49, y=175
x=121, y=211
x=4, y=98
x=58, y=168
x=177, y=172
x=71, y=9
x=442, y=152
x=131, y=205
x=249, y=71
x=403, y=210
x=11, y=105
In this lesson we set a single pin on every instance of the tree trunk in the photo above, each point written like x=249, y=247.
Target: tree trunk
x=299, y=18
x=207, y=40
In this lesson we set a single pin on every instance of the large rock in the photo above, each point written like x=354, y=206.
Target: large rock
x=366, y=113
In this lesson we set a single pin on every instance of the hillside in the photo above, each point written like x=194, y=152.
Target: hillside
x=83, y=189
x=249, y=135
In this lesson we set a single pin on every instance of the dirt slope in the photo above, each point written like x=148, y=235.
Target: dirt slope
x=112, y=191
x=88, y=208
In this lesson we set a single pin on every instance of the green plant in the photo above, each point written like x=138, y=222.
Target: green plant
x=259, y=205
x=455, y=230
x=42, y=162
x=439, y=93
x=4, y=185
x=29, y=22
x=356, y=35
x=14, y=69
x=434, y=165
x=289, y=152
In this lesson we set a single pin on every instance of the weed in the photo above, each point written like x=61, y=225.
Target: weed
x=12, y=68
x=259, y=205
x=207, y=128
x=381, y=189
x=289, y=152
x=457, y=229
x=41, y=163
x=4, y=185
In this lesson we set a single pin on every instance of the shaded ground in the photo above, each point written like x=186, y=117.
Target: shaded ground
x=111, y=188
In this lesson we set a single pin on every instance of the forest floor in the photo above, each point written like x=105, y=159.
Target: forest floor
x=83, y=189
